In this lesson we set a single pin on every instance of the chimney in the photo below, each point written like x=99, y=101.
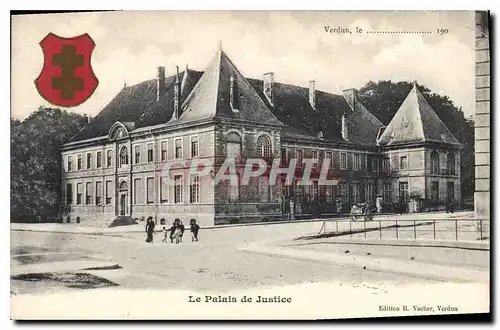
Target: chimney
x=160, y=83
x=268, y=80
x=312, y=94
x=233, y=93
x=345, y=127
x=177, y=96
x=351, y=95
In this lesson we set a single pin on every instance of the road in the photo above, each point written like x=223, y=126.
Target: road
x=156, y=280
x=215, y=262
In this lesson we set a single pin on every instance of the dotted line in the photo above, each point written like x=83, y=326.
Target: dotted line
x=399, y=32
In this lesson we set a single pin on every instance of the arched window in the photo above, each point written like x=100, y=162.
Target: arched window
x=233, y=146
x=450, y=163
x=434, y=162
x=264, y=146
x=123, y=156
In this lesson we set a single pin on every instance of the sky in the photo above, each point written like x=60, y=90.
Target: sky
x=293, y=45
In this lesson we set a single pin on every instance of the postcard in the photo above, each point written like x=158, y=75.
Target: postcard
x=250, y=165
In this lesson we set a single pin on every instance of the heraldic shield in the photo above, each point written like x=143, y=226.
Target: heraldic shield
x=67, y=78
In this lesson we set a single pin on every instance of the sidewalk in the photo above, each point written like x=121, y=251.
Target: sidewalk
x=471, y=245
x=139, y=228
x=391, y=265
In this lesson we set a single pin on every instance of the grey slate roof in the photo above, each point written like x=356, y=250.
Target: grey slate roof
x=206, y=95
x=137, y=104
x=210, y=97
x=416, y=121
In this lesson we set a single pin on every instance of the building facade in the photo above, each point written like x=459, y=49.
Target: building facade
x=157, y=149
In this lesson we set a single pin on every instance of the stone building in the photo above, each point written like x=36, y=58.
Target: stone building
x=136, y=157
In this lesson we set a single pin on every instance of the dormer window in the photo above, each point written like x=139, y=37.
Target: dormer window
x=233, y=93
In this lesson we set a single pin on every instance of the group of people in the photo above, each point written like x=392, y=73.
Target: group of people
x=176, y=231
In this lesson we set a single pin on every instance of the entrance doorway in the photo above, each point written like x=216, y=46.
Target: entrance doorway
x=123, y=200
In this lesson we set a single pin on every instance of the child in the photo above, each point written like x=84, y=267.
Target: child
x=165, y=231
x=194, y=230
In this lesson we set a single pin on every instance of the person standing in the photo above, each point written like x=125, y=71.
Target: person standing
x=194, y=230
x=150, y=227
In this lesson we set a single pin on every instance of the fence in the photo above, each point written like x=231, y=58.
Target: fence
x=456, y=229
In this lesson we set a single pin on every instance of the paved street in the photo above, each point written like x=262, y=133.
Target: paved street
x=217, y=263
x=154, y=276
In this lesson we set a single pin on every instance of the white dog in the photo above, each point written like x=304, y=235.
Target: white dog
x=177, y=235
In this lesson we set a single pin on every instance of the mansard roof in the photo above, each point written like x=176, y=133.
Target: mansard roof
x=137, y=104
x=210, y=97
x=414, y=122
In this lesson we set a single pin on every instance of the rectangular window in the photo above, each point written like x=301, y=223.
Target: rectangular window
x=137, y=191
x=329, y=193
x=178, y=189
x=375, y=164
x=343, y=192
x=329, y=159
x=355, y=192
x=79, y=162
x=233, y=190
x=299, y=157
x=264, y=192
x=70, y=164
x=137, y=154
x=79, y=188
x=355, y=163
x=194, y=146
x=435, y=191
x=284, y=157
x=314, y=190
x=89, y=160
x=69, y=194
x=88, y=193
x=150, y=187
x=163, y=190
x=98, y=193
x=299, y=192
x=98, y=160
x=369, y=193
x=163, y=150
x=387, y=193
x=178, y=148
x=451, y=191
x=386, y=164
x=403, y=192
x=150, y=153
x=315, y=158
x=343, y=160
x=195, y=189
x=403, y=163
x=109, y=191
x=108, y=158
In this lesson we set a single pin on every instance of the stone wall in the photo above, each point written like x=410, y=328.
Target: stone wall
x=482, y=117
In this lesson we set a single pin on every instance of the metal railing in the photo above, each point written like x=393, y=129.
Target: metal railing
x=448, y=229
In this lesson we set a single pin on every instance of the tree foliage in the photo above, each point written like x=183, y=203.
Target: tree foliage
x=383, y=99
x=36, y=160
